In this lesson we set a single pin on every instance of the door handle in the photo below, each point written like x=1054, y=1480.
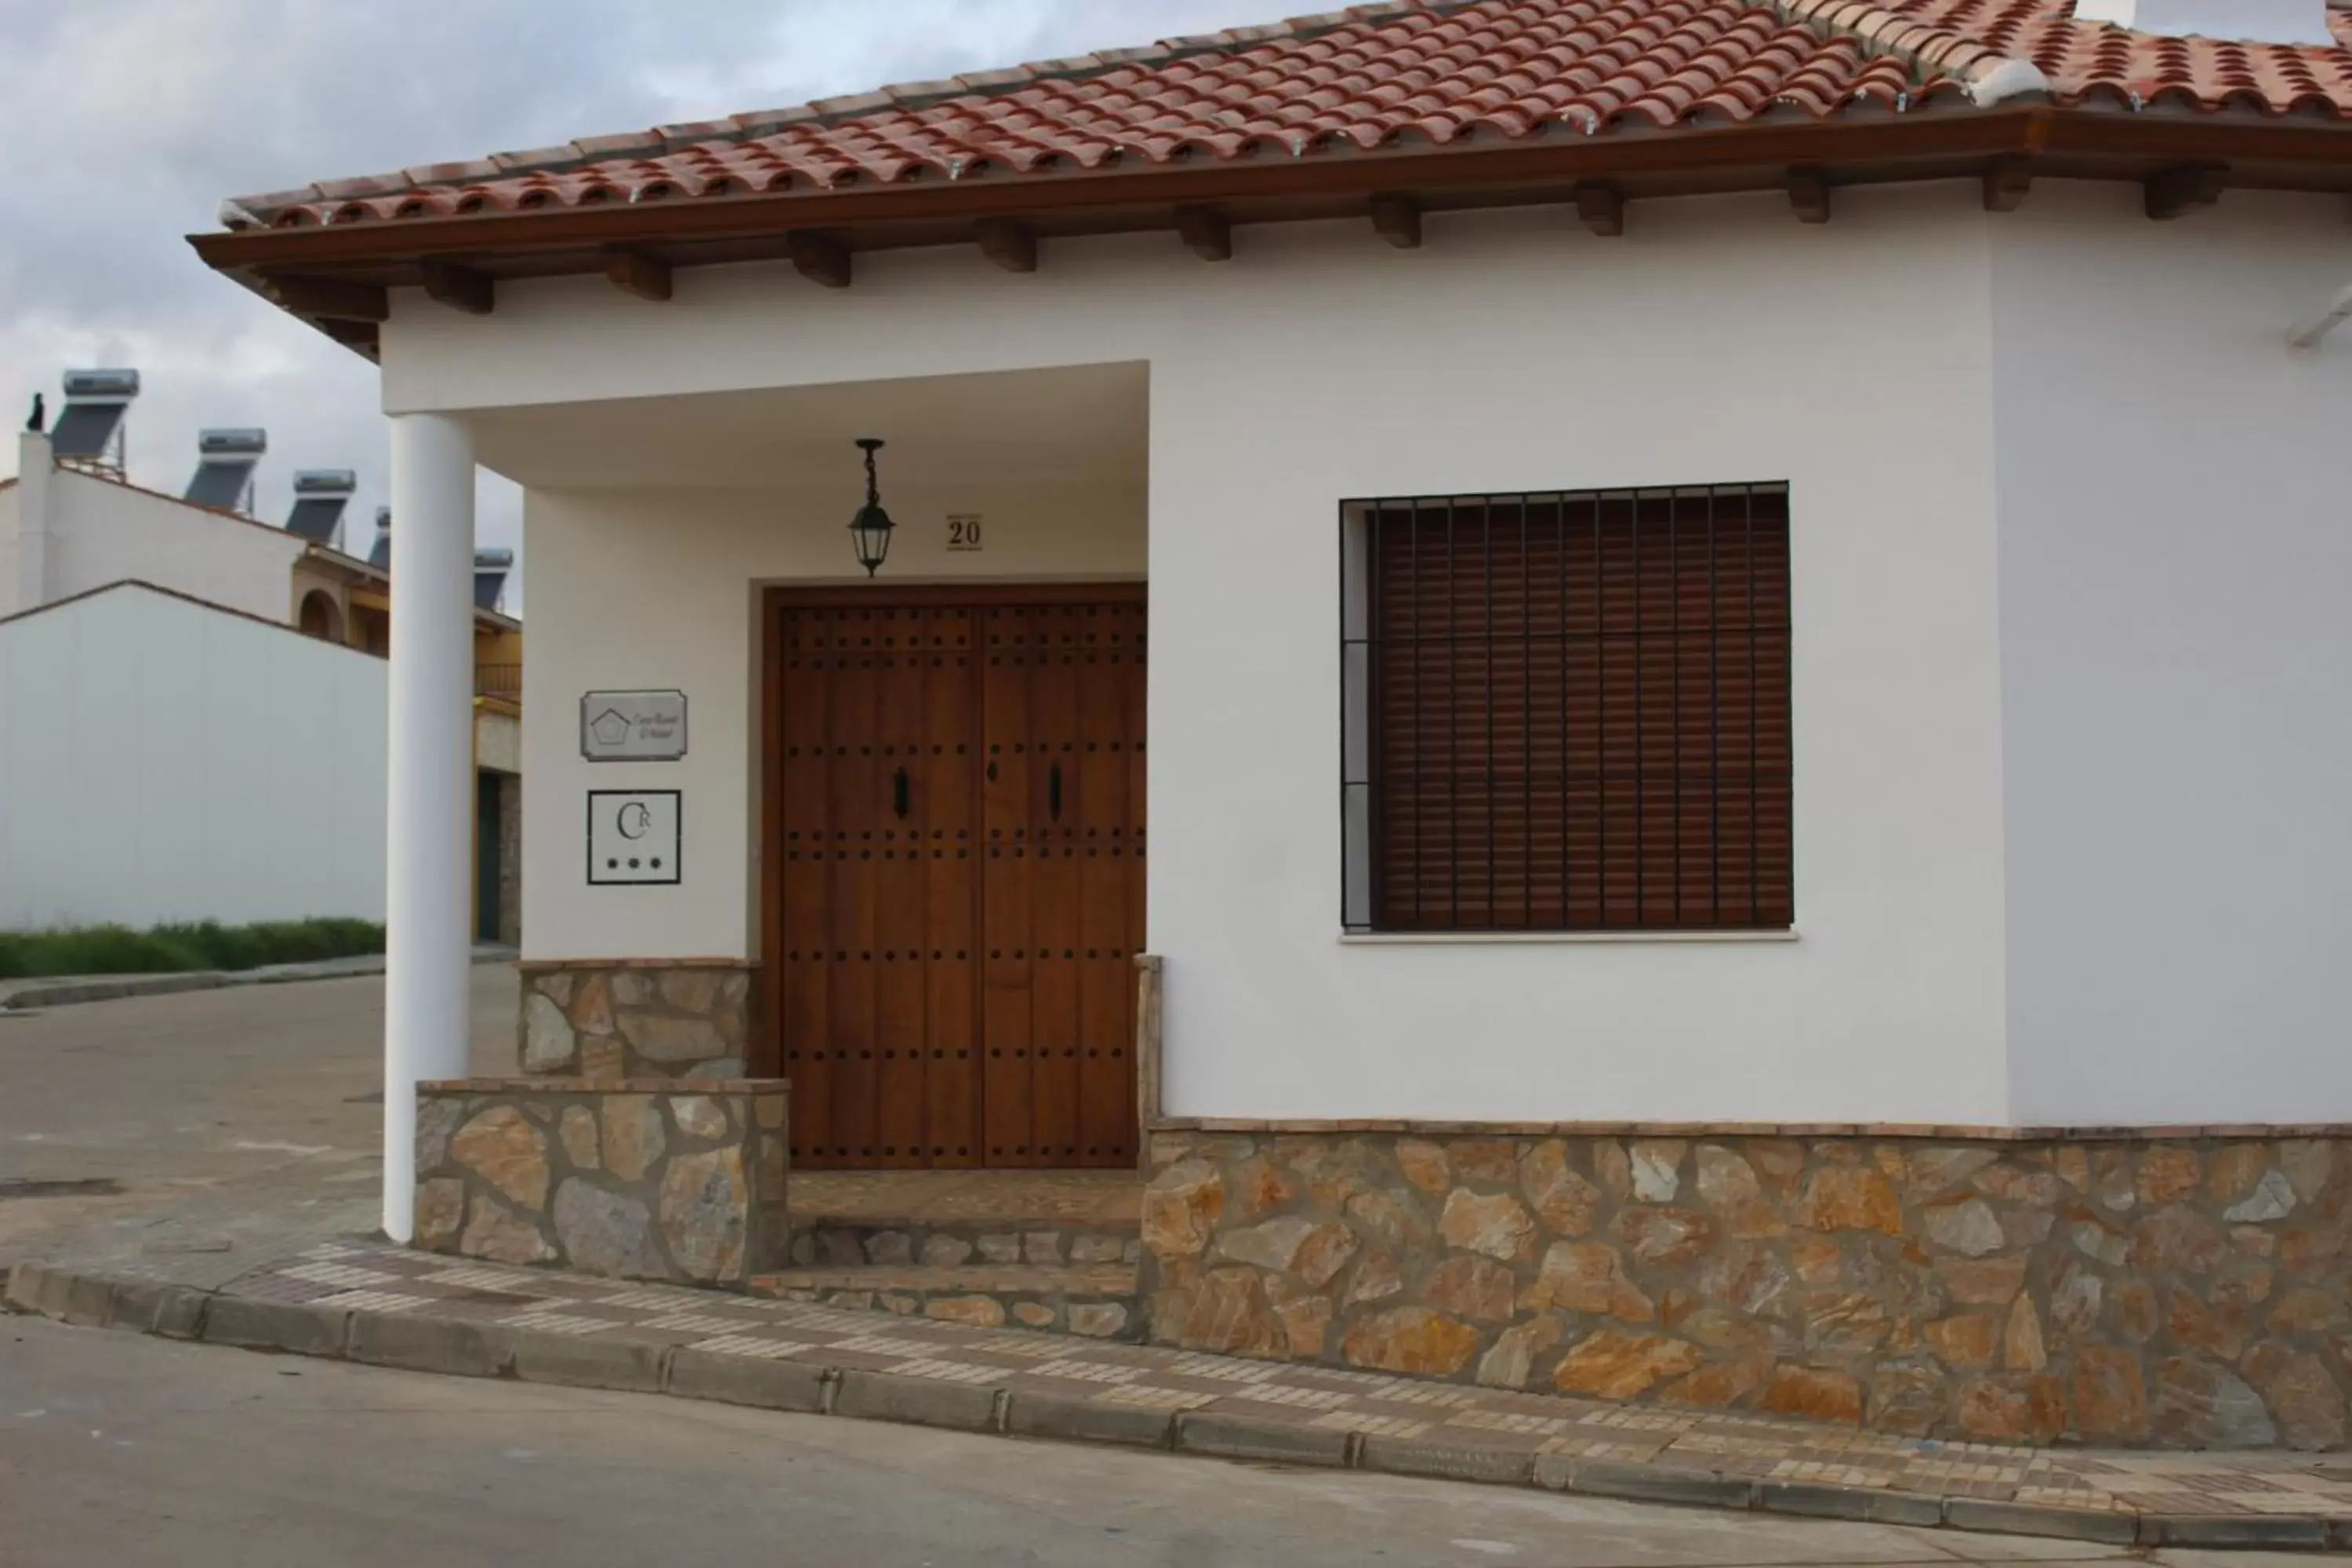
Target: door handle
x=1054, y=793
x=899, y=793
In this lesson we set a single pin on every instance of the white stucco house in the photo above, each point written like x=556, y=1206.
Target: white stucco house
x=1759, y=577
x=195, y=699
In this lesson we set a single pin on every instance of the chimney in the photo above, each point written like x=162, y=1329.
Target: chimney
x=2236, y=21
x=35, y=461
x=224, y=476
x=89, y=434
x=320, y=496
x=380, y=555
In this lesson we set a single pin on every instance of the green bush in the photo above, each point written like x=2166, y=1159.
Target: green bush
x=209, y=944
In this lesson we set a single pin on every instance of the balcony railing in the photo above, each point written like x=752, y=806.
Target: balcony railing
x=500, y=680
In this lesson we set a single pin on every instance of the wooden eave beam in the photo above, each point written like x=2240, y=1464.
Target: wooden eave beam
x=638, y=272
x=1205, y=232
x=1555, y=164
x=2006, y=182
x=2177, y=191
x=819, y=258
x=457, y=285
x=328, y=299
x=1601, y=207
x=1809, y=193
x=360, y=337
x=1009, y=243
x=2298, y=155
x=1397, y=219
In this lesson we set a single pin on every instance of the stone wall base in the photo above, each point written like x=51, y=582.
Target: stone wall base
x=669, y=1179
x=607, y=1021
x=2187, y=1293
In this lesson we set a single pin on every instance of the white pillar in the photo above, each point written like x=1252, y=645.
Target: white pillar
x=428, y=809
x=35, y=539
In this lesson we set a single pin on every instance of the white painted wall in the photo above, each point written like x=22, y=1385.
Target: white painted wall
x=31, y=562
x=2176, y=563
x=1719, y=340
x=104, y=532
x=2254, y=21
x=8, y=494
x=166, y=760
x=497, y=741
x=654, y=591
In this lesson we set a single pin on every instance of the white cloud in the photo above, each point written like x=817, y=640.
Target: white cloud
x=128, y=120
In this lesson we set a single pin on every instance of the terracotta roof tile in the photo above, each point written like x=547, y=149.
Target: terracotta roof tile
x=2089, y=62
x=1436, y=73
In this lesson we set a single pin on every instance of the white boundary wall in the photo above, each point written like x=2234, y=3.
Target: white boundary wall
x=105, y=533
x=165, y=759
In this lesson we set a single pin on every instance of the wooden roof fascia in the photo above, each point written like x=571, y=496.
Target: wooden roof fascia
x=1762, y=147
x=2019, y=130
x=822, y=231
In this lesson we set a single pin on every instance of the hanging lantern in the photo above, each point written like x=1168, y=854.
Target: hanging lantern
x=870, y=531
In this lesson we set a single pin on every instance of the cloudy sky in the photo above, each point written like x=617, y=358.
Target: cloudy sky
x=127, y=121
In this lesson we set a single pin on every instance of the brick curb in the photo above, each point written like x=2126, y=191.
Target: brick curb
x=115, y=988
x=464, y=1349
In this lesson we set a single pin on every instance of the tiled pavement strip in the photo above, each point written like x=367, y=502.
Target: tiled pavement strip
x=375, y=1302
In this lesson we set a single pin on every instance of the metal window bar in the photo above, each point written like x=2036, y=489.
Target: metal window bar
x=1416, y=663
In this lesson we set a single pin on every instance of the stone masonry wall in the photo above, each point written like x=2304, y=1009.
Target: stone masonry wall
x=607, y=1021
x=510, y=930
x=668, y=1179
x=2189, y=1293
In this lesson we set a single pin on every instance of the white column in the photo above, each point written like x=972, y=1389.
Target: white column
x=35, y=540
x=429, y=814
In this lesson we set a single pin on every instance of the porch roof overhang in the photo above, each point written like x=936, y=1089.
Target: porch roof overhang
x=337, y=277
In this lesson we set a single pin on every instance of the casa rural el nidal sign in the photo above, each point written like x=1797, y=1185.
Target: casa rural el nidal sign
x=633, y=726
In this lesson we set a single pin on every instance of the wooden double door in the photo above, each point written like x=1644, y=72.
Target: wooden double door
x=956, y=817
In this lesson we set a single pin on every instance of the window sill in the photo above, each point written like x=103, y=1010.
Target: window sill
x=1552, y=938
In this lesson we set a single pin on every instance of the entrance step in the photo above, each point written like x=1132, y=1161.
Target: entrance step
x=1035, y=1250
x=984, y=1220
x=1096, y=1299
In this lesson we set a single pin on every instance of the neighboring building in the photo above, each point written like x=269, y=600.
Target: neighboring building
x=98, y=688
x=1745, y=800
x=170, y=760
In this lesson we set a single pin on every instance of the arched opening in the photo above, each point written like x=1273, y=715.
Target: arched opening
x=319, y=618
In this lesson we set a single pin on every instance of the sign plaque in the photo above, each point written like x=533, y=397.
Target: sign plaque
x=633, y=726
x=632, y=837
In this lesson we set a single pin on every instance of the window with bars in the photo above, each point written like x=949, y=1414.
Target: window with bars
x=1567, y=711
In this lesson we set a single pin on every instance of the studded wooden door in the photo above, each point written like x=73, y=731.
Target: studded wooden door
x=957, y=789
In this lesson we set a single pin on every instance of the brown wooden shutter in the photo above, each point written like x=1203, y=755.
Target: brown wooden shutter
x=1579, y=712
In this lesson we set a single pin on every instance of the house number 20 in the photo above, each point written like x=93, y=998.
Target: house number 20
x=964, y=530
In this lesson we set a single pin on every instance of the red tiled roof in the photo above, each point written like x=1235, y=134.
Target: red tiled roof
x=1436, y=73
x=1431, y=71
x=2091, y=63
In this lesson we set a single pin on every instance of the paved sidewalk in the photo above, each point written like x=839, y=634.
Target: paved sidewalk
x=65, y=990
x=373, y=1303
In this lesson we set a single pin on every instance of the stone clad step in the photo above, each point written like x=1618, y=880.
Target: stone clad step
x=953, y=1219
x=1096, y=1299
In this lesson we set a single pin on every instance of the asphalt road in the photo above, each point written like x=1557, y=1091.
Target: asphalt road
x=208, y=1129
x=125, y=1451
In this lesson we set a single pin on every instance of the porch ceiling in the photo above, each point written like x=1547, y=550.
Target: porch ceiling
x=1073, y=425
